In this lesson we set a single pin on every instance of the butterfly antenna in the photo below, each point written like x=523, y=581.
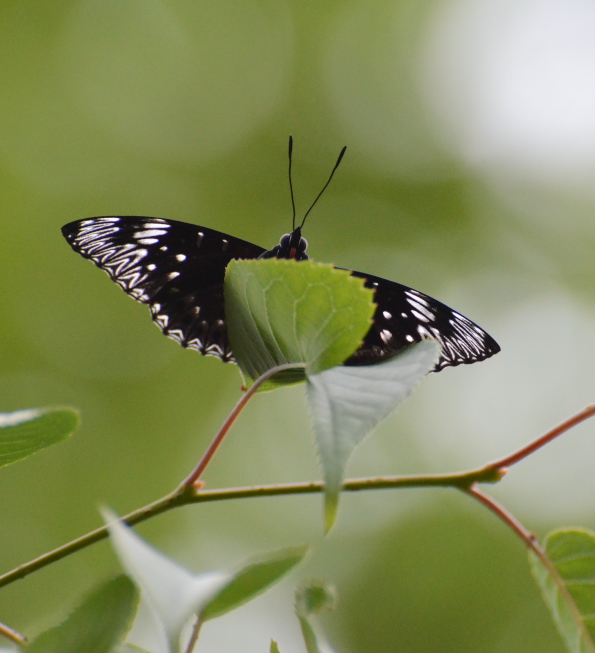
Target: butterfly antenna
x=291, y=183
x=325, y=186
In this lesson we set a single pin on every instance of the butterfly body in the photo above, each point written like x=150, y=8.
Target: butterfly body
x=178, y=269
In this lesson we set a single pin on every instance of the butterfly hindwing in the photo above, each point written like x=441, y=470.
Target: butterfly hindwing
x=405, y=316
x=176, y=268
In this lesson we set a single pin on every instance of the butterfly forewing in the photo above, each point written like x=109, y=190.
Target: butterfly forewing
x=405, y=316
x=176, y=268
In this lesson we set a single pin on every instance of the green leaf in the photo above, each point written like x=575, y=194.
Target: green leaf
x=569, y=588
x=97, y=625
x=174, y=593
x=253, y=578
x=282, y=312
x=26, y=432
x=314, y=598
x=346, y=403
x=310, y=600
x=274, y=647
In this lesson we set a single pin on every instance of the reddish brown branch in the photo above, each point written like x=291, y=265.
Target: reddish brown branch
x=541, y=441
x=197, y=472
x=508, y=518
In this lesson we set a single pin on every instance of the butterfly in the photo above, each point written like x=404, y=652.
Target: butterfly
x=178, y=269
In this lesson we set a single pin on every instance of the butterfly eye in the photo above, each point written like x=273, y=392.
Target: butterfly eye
x=303, y=246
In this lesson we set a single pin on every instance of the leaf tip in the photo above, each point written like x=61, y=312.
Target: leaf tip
x=331, y=505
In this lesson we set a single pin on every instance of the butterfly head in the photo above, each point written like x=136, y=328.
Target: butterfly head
x=291, y=245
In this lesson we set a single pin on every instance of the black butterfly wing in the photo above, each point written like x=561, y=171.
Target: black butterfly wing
x=405, y=316
x=176, y=268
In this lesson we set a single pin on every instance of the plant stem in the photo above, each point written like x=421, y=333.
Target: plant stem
x=544, y=439
x=12, y=635
x=197, y=472
x=194, y=635
x=508, y=518
x=531, y=542
x=188, y=493
x=161, y=505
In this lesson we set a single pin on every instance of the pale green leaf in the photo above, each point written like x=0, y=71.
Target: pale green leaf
x=569, y=589
x=282, y=312
x=253, y=578
x=97, y=625
x=26, y=432
x=310, y=600
x=174, y=593
x=346, y=403
x=315, y=597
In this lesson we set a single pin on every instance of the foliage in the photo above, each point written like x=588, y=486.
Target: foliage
x=26, y=432
x=98, y=623
x=281, y=313
x=567, y=581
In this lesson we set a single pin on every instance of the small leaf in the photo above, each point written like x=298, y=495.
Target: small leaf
x=312, y=599
x=346, y=403
x=570, y=591
x=283, y=312
x=274, y=647
x=254, y=577
x=174, y=593
x=97, y=625
x=26, y=432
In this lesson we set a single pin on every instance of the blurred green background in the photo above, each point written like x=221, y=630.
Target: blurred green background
x=469, y=175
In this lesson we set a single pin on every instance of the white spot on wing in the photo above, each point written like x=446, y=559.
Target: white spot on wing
x=420, y=316
x=386, y=336
x=150, y=233
x=101, y=220
x=423, y=332
x=176, y=335
x=162, y=321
